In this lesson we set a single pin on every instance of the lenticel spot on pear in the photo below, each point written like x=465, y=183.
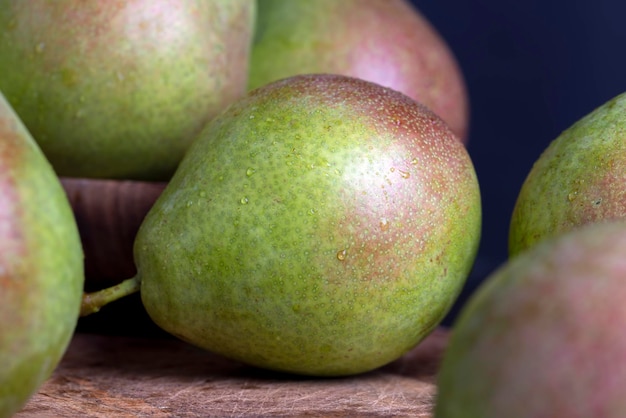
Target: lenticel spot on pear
x=322, y=225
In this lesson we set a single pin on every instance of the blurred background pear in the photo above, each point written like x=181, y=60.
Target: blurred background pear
x=41, y=266
x=542, y=335
x=118, y=89
x=388, y=42
x=579, y=178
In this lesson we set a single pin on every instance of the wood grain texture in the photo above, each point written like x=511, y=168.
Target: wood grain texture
x=108, y=214
x=122, y=376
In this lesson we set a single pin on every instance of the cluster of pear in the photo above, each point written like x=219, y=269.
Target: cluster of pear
x=320, y=214
x=541, y=337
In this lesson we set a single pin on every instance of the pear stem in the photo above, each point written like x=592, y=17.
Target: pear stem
x=92, y=302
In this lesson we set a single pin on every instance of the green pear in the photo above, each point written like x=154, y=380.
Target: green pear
x=118, y=89
x=578, y=179
x=542, y=337
x=388, y=42
x=323, y=225
x=41, y=266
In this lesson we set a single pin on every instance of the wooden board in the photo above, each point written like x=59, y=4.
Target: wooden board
x=122, y=376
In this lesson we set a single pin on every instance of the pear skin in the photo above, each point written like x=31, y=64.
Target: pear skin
x=388, y=42
x=118, y=89
x=579, y=178
x=41, y=266
x=323, y=225
x=542, y=336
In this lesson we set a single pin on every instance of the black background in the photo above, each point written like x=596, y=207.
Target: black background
x=532, y=68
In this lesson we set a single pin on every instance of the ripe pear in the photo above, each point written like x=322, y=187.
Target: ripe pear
x=323, y=225
x=542, y=337
x=41, y=265
x=118, y=89
x=579, y=178
x=388, y=42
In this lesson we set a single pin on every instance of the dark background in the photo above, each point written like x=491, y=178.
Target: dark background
x=532, y=68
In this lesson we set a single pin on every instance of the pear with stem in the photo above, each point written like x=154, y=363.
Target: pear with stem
x=323, y=225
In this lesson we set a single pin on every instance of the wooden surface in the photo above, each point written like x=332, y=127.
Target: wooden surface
x=108, y=215
x=121, y=376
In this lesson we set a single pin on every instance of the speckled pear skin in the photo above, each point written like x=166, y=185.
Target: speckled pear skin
x=541, y=336
x=578, y=179
x=323, y=225
x=118, y=89
x=388, y=42
x=41, y=266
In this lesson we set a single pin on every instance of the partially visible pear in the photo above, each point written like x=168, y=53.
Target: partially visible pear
x=579, y=178
x=388, y=42
x=543, y=336
x=41, y=266
x=323, y=225
x=118, y=88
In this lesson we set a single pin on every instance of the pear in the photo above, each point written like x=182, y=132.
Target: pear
x=579, y=178
x=41, y=266
x=118, y=89
x=323, y=225
x=542, y=336
x=388, y=42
